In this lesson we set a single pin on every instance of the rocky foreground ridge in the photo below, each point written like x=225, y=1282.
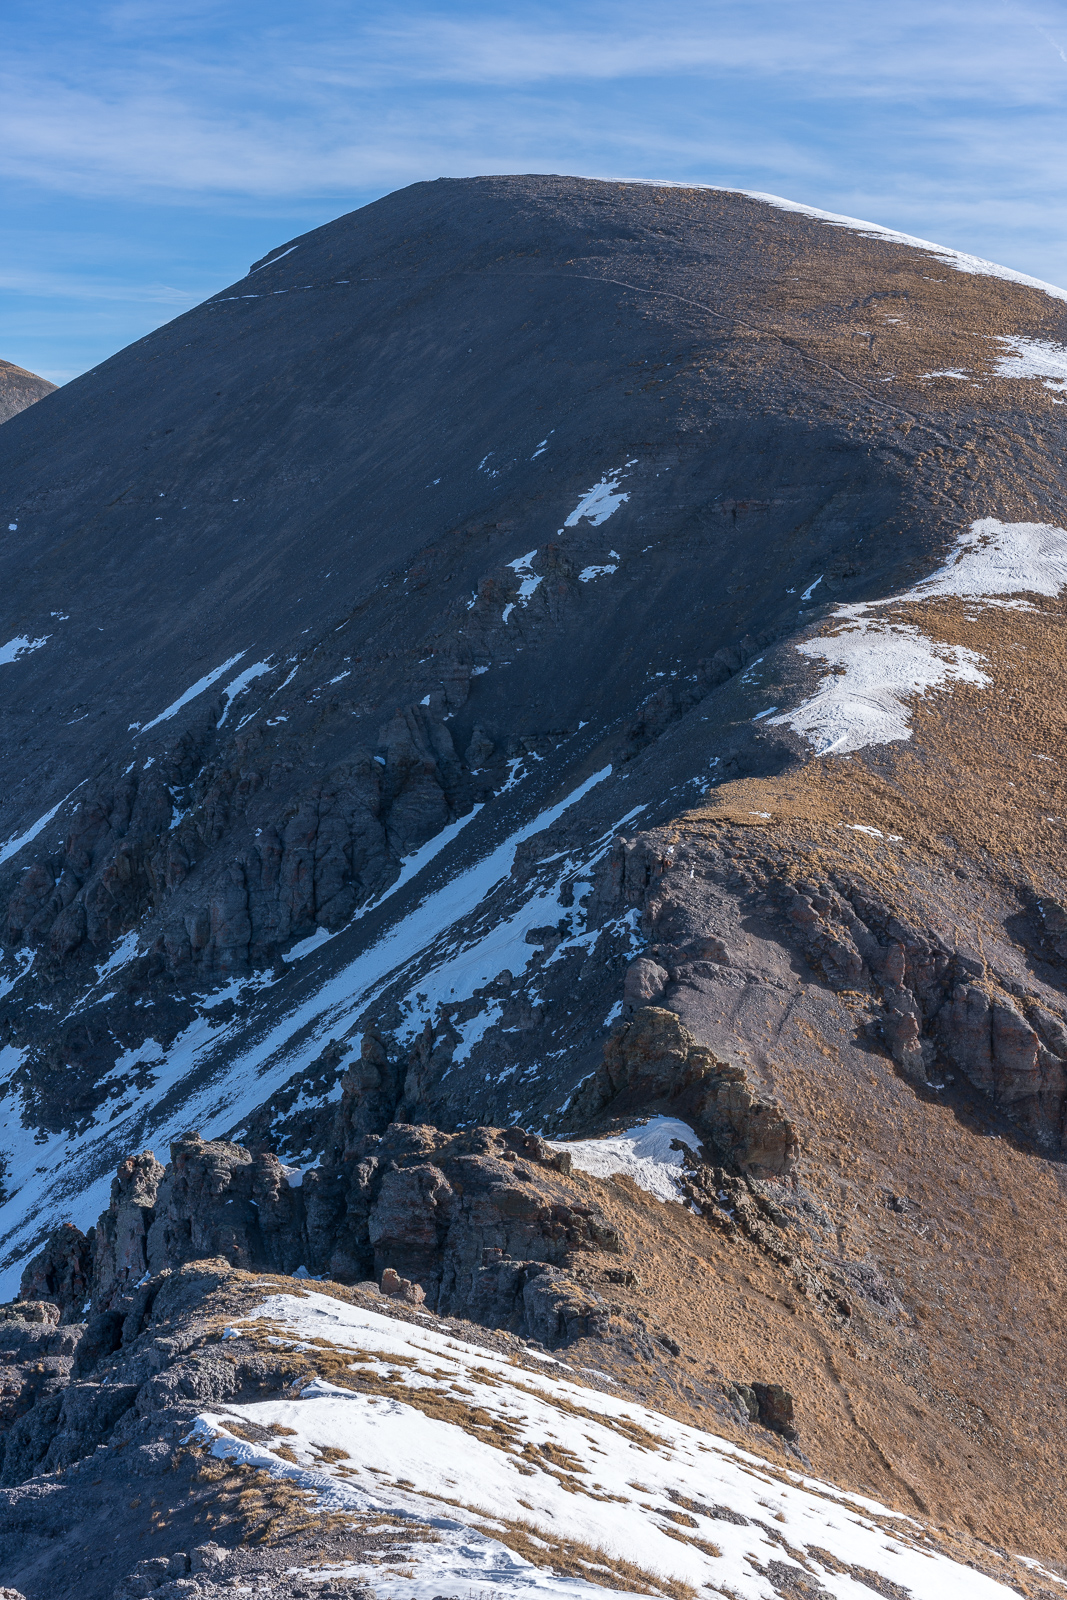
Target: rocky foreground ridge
x=233, y=1411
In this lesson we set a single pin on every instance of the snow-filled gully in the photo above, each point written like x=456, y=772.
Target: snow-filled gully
x=482, y=1455
x=444, y=947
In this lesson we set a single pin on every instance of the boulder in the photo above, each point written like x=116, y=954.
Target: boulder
x=775, y=1408
x=61, y=1272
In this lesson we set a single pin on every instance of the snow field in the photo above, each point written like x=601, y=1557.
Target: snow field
x=881, y=666
x=470, y=1444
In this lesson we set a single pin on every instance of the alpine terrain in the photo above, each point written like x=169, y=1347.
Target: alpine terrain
x=19, y=389
x=533, y=1000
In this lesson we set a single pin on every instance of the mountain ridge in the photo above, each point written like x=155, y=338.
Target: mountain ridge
x=445, y=715
x=19, y=389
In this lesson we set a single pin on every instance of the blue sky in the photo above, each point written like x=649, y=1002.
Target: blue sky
x=151, y=149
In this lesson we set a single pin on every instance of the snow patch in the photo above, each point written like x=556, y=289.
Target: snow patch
x=995, y=558
x=124, y=951
x=191, y=693
x=530, y=580
x=587, y=574
x=1033, y=358
x=881, y=665
x=643, y=1153
x=15, y=649
x=602, y=500
x=474, y=1030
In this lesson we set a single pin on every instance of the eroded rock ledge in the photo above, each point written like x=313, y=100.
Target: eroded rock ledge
x=480, y=1222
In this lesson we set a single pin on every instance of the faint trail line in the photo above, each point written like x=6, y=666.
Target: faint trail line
x=916, y=418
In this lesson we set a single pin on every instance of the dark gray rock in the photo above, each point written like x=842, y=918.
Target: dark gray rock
x=120, y=1241
x=775, y=1408
x=61, y=1272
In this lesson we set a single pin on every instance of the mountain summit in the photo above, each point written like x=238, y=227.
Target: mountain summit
x=577, y=663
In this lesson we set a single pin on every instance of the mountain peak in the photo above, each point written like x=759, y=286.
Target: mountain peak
x=572, y=658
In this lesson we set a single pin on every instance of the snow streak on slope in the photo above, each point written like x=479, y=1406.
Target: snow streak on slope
x=487, y=1454
x=11, y=847
x=881, y=665
x=448, y=944
x=190, y=694
x=240, y=684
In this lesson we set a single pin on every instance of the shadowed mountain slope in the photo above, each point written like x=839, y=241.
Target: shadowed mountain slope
x=549, y=652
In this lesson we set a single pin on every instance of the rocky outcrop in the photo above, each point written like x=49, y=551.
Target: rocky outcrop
x=215, y=1199
x=150, y=841
x=36, y=1356
x=939, y=1008
x=61, y=1273
x=944, y=1009
x=775, y=1408
x=472, y=1218
x=480, y=1224
x=654, y=1062
x=120, y=1245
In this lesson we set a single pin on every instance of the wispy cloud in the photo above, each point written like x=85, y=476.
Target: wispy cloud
x=332, y=104
x=66, y=285
x=944, y=118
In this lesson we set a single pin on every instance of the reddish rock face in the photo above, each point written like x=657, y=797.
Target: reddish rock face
x=19, y=389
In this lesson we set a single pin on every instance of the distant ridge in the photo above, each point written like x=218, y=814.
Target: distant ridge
x=19, y=389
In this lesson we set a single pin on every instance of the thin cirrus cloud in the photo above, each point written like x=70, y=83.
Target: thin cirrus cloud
x=863, y=51
x=194, y=136
x=334, y=106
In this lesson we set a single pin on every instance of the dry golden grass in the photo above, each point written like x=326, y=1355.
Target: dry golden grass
x=266, y=1508
x=572, y=1559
